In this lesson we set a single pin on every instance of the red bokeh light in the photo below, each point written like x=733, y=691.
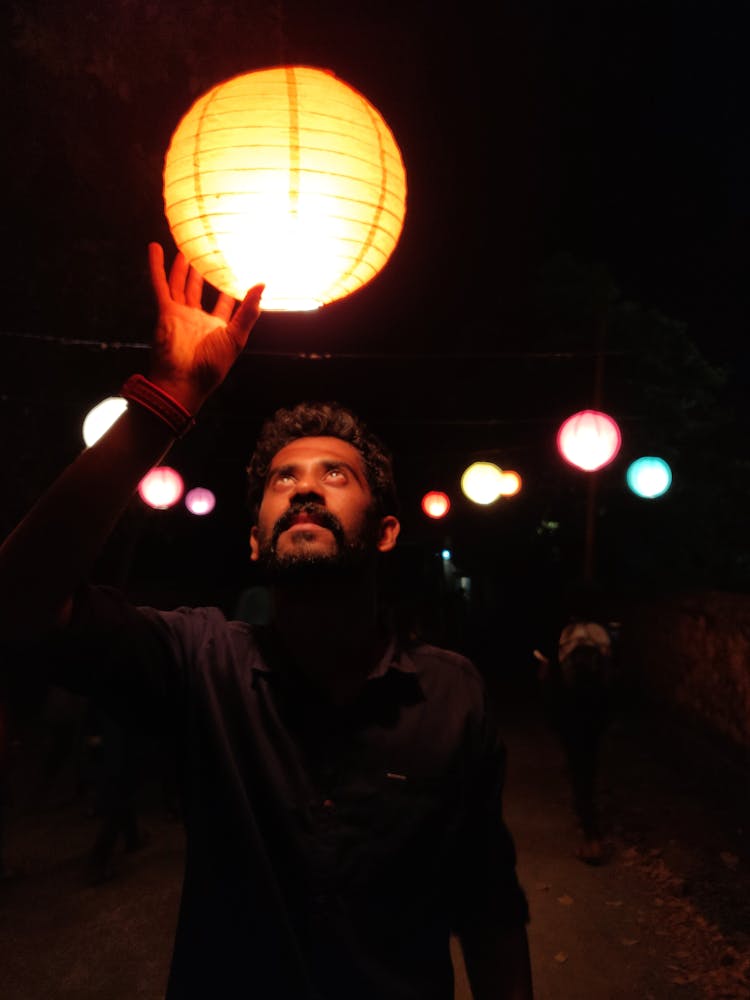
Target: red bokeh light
x=436, y=504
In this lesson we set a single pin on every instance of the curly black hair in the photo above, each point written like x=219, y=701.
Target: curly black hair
x=312, y=419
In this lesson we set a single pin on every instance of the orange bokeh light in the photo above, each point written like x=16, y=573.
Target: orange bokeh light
x=510, y=483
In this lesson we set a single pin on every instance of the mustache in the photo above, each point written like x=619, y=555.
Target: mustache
x=315, y=512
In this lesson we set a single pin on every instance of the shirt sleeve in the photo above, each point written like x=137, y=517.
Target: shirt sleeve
x=126, y=658
x=487, y=889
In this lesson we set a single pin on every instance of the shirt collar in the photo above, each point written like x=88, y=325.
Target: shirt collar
x=394, y=656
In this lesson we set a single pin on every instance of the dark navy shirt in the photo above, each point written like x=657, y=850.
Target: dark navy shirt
x=329, y=851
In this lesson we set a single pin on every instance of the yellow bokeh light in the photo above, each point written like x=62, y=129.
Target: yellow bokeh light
x=482, y=482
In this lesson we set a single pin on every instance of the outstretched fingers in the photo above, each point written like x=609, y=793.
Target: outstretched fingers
x=178, y=278
x=246, y=315
x=156, y=270
x=224, y=306
x=193, y=288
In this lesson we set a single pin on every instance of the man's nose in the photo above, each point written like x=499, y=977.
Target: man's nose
x=304, y=494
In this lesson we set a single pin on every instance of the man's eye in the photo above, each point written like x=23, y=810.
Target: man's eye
x=335, y=474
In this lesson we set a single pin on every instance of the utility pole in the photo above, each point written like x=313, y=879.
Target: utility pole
x=593, y=479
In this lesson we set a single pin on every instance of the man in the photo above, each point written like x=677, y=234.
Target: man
x=341, y=791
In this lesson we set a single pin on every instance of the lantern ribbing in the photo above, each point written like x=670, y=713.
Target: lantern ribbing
x=289, y=177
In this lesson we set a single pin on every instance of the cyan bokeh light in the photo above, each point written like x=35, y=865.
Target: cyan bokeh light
x=649, y=477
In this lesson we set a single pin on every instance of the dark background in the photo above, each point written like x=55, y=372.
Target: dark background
x=577, y=185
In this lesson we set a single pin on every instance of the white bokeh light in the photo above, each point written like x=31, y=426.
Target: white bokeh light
x=100, y=418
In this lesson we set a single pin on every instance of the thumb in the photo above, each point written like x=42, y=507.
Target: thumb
x=246, y=316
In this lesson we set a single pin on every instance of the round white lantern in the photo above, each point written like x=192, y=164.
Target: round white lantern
x=286, y=176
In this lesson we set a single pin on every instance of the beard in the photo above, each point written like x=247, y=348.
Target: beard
x=351, y=559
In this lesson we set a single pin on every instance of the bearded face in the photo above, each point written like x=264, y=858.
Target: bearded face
x=317, y=520
x=303, y=558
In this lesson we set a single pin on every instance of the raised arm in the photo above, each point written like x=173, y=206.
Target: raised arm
x=52, y=550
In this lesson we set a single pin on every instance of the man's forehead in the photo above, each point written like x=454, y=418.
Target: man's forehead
x=323, y=449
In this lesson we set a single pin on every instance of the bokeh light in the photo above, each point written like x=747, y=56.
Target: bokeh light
x=161, y=488
x=200, y=501
x=436, y=504
x=589, y=440
x=100, y=418
x=649, y=477
x=482, y=482
x=510, y=483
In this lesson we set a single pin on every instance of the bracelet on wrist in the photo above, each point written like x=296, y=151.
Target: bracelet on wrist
x=138, y=389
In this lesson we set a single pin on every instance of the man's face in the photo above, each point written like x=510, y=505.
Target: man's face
x=317, y=513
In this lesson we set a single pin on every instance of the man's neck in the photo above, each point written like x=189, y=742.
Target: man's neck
x=330, y=633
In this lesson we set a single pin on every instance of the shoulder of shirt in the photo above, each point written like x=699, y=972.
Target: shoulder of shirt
x=426, y=657
x=208, y=617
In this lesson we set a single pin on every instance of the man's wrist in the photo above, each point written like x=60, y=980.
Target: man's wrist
x=158, y=401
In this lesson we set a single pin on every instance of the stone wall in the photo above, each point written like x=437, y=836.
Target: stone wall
x=692, y=652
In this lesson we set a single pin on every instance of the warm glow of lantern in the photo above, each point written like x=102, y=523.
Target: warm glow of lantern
x=589, y=440
x=100, y=418
x=649, y=477
x=436, y=504
x=482, y=482
x=161, y=488
x=510, y=483
x=286, y=176
x=200, y=501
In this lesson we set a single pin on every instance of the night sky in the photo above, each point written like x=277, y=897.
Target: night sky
x=576, y=171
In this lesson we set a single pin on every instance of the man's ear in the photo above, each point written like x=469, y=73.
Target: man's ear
x=389, y=529
x=254, y=543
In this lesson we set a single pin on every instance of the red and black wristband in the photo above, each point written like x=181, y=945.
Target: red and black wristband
x=138, y=389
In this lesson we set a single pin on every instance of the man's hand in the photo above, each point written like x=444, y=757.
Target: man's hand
x=193, y=349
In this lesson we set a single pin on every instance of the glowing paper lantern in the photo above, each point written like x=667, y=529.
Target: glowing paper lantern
x=482, y=482
x=510, y=483
x=436, y=504
x=287, y=176
x=100, y=418
x=200, y=501
x=589, y=440
x=161, y=488
x=649, y=477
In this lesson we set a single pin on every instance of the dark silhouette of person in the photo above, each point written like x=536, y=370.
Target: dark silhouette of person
x=578, y=690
